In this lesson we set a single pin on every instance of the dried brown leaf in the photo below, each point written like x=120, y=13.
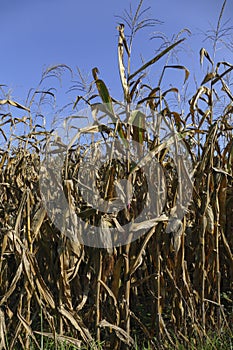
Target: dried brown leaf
x=121, y=333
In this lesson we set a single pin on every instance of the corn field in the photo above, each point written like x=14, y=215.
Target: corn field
x=174, y=282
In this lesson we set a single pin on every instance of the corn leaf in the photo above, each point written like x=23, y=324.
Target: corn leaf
x=14, y=104
x=204, y=53
x=180, y=67
x=156, y=58
x=121, y=44
x=137, y=119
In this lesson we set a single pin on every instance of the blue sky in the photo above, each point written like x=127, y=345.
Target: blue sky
x=38, y=34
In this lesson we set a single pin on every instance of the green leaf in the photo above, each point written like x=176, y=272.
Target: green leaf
x=107, y=101
x=104, y=94
x=137, y=119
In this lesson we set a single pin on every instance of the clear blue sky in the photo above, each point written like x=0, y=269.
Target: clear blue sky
x=37, y=34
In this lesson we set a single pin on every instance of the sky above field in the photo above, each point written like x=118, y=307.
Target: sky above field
x=83, y=34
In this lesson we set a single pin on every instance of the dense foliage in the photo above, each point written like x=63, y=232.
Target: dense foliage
x=172, y=285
